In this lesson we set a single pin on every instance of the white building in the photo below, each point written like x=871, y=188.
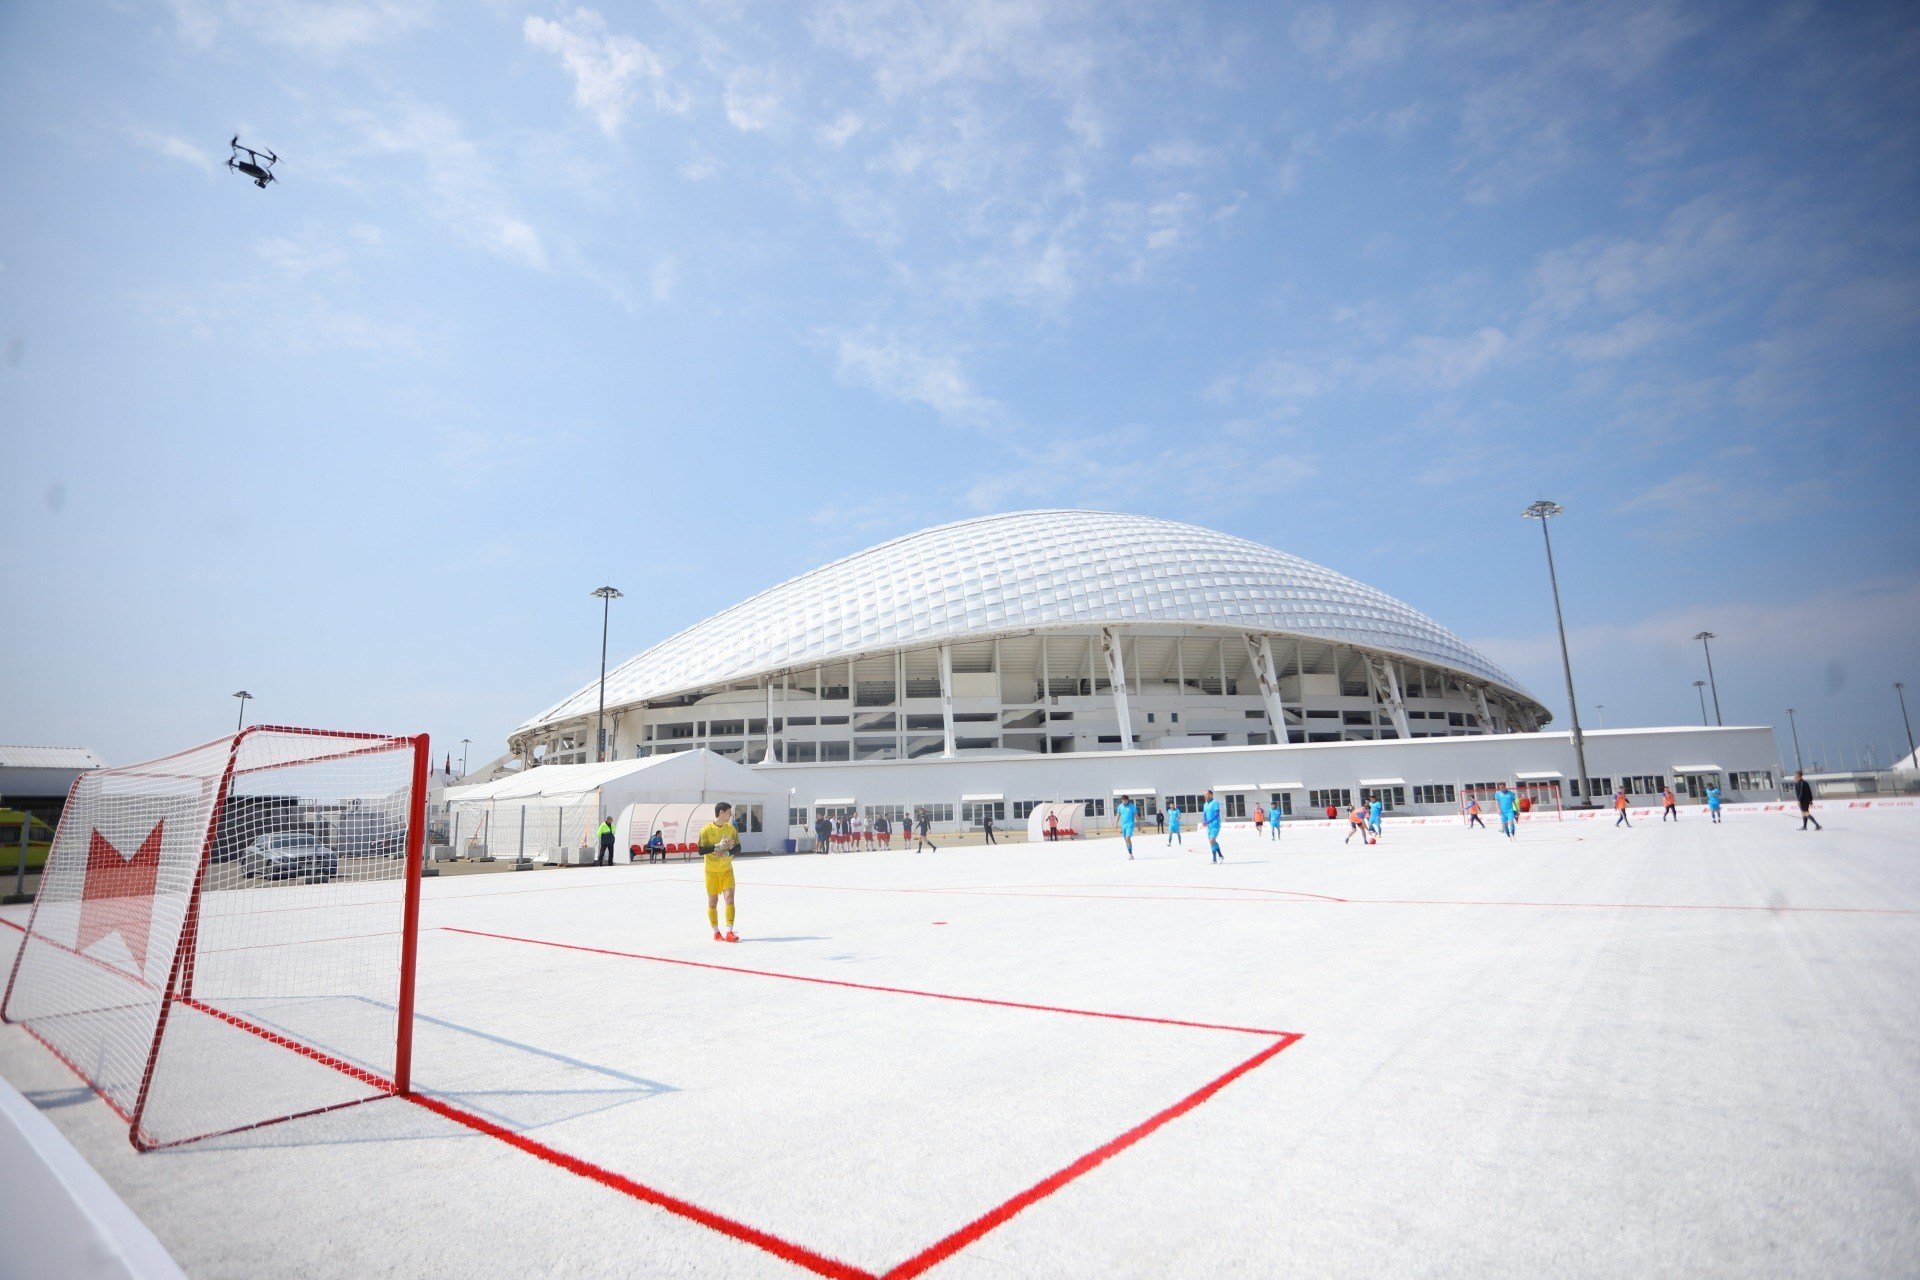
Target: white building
x=989, y=664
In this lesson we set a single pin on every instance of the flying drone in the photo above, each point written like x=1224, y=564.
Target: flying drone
x=258, y=165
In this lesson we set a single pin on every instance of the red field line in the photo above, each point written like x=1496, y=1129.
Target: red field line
x=868, y=986
x=938, y=1252
x=1122, y=895
x=799, y=1255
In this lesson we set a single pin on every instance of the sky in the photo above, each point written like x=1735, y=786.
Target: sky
x=688, y=298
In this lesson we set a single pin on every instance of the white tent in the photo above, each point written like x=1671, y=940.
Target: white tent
x=549, y=813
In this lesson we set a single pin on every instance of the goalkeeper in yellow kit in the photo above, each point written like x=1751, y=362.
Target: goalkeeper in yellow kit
x=718, y=842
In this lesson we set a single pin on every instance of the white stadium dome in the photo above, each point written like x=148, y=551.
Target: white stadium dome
x=1043, y=574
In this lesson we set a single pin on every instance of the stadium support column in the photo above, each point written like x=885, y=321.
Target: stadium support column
x=768, y=757
x=946, y=695
x=1260, y=654
x=1486, y=712
x=1117, y=679
x=1386, y=689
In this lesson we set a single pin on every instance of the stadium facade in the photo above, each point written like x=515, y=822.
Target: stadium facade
x=983, y=666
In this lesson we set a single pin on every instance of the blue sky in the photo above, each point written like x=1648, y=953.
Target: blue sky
x=690, y=297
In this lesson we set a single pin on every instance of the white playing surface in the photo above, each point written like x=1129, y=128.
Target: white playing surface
x=1687, y=1050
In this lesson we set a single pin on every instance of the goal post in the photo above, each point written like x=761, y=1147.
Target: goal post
x=225, y=937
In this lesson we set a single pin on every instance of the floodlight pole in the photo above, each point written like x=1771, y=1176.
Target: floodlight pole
x=606, y=595
x=1600, y=710
x=244, y=698
x=1700, y=687
x=463, y=756
x=1799, y=765
x=1544, y=511
x=1703, y=637
x=1900, y=687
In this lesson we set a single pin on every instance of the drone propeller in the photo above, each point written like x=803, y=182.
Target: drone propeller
x=272, y=158
x=236, y=142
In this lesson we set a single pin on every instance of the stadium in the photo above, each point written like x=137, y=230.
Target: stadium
x=983, y=667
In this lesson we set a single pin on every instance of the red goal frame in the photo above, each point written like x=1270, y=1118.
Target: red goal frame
x=178, y=988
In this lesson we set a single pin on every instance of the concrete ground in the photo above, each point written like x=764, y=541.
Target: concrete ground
x=1587, y=1052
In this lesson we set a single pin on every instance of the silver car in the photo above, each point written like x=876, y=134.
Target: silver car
x=286, y=854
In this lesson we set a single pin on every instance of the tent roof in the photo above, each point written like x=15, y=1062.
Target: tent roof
x=698, y=770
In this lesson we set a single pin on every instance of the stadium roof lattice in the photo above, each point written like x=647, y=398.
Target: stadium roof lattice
x=1030, y=571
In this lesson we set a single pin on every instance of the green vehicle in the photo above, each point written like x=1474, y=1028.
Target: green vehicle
x=39, y=840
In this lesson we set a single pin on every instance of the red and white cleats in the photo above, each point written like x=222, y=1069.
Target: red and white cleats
x=718, y=936
x=731, y=936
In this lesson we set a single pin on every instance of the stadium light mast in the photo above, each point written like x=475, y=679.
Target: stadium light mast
x=606, y=596
x=1600, y=710
x=1799, y=765
x=244, y=698
x=1900, y=687
x=1703, y=637
x=463, y=756
x=1700, y=687
x=1544, y=511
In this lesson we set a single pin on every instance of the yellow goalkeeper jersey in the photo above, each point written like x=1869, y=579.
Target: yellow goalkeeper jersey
x=719, y=840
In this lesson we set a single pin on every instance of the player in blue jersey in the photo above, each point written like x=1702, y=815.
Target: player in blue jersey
x=1173, y=827
x=1128, y=814
x=1210, y=815
x=1713, y=802
x=1374, y=809
x=1509, y=811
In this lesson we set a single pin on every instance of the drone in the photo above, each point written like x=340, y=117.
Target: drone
x=258, y=165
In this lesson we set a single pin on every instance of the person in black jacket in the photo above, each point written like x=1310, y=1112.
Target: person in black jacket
x=986, y=824
x=822, y=833
x=1803, y=792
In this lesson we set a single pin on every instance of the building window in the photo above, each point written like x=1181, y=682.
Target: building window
x=1644, y=784
x=974, y=810
x=1433, y=793
x=1389, y=797
x=1337, y=797
x=1762, y=781
x=1281, y=802
x=1234, y=805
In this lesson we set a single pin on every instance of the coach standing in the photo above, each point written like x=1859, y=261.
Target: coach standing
x=1803, y=792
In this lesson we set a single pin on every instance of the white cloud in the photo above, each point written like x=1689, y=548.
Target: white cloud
x=751, y=99
x=320, y=30
x=899, y=370
x=841, y=131
x=173, y=147
x=665, y=278
x=609, y=72
x=454, y=178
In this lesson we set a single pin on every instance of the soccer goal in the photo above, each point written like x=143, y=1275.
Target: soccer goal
x=1537, y=799
x=224, y=938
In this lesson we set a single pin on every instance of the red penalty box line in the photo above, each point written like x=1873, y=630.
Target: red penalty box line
x=941, y=1249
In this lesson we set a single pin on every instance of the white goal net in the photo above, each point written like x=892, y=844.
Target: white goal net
x=224, y=937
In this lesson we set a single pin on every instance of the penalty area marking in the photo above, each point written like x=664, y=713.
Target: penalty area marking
x=947, y=1245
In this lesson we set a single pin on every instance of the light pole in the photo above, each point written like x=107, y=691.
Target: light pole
x=606, y=596
x=463, y=756
x=1799, y=765
x=1900, y=687
x=1544, y=511
x=1600, y=710
x=1703, y=637
x=244, y=698
x=1700, y=687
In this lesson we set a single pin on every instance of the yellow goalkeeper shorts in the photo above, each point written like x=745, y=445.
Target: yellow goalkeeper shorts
x=719, y=875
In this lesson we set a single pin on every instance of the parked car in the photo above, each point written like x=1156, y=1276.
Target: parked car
x=290, y=853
